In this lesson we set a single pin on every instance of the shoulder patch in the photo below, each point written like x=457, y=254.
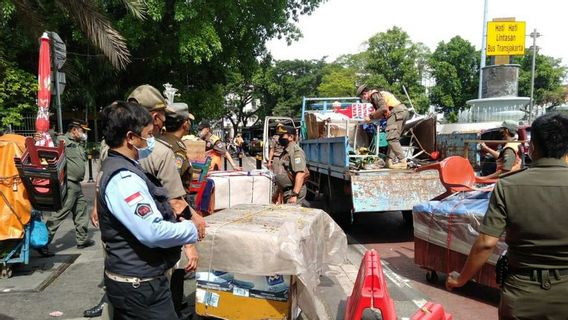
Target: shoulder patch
x=143, y=210
x=181, y=144
x=179, y=161
x=297, y=160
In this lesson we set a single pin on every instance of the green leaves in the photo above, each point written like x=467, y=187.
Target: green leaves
x=17, y=93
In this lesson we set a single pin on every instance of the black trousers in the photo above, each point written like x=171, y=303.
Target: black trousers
x=152, y=300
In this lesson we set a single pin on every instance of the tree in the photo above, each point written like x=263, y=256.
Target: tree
x=394, y=61
x=283, y=86
x=549, y=74
x=37, y=16
x=455, y=68
x=17, y=93
x=338, y=81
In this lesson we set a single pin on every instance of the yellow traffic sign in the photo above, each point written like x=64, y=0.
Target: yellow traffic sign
x=506, y=38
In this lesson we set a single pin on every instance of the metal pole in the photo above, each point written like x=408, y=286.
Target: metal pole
x=90, y=168
x=55, y=73
x=483, y=49
x=533, y=35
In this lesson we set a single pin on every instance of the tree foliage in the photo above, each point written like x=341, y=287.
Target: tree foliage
x=338, y=81
x=17, y=93
x=549, y=74
x=454, y=65
x=393, y=61
x=283, y=85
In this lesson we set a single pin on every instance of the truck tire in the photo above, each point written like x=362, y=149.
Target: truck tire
x=407, y=217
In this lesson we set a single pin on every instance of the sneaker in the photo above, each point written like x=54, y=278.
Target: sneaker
x=44, y=252
x=86, y=244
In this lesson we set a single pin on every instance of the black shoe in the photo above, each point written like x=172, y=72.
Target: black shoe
x=95, y=311
x=86, y=244
x=44, y=252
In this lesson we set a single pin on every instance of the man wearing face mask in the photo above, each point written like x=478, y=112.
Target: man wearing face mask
x=74, y=202
x=292, y=182
x=508, y=159
x=214, y=147
x=138, y=226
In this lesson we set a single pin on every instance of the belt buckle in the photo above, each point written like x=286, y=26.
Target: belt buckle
x=136, y=283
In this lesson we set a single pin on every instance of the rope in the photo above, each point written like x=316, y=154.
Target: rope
x=11, y=208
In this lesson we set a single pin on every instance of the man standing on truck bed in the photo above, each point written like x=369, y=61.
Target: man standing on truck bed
x=508, y=159
x=292, y=182
x=387, y=106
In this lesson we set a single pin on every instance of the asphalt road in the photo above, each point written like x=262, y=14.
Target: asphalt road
x=386, y=233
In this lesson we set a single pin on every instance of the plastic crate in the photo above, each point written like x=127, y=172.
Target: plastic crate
x=44, y=174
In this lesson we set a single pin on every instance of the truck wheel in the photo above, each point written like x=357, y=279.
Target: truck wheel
x=407, y=217
x=432, y=277
x=338, y=206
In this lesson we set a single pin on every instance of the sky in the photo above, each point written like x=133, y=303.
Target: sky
x=342, y=26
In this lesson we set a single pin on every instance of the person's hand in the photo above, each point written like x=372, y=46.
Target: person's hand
x=200, y=225
x=293, y=199
x=192, y=257
x=95, y=217
x=236, y=168
x=454, y=281
x=483, y=146
x=269, y=165
x=367, y=119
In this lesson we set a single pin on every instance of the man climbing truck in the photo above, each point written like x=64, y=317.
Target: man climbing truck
x=347, y=170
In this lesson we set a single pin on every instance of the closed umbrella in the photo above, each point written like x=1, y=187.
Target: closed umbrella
x=44, y=93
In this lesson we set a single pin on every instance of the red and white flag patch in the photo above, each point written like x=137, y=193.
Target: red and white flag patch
x=134, y=199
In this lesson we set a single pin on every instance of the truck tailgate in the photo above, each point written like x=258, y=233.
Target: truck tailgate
x=393, y=190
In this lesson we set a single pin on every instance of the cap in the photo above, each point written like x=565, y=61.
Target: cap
x=79, y=124
x=181, y=110
x=203, y=124
x=285, y=129
x=150, y=98
x=360, y=89
x=510, y=125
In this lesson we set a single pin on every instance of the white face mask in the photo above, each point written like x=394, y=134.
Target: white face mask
x=84, y=136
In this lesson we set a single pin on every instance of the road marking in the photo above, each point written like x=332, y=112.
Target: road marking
x=394, y=277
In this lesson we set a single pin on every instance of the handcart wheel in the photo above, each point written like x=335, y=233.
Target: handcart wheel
x=432, y=276
x=6, y=272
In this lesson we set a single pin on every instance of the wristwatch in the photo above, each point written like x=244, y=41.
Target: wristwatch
x=294, y=194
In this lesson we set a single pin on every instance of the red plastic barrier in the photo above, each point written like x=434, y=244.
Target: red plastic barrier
x=432, y=311
x=370, y=290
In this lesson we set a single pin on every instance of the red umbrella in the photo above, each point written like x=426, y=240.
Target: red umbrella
x=44, y=92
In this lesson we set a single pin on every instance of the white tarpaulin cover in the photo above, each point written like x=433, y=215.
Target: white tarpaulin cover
x=266, y=240
x=238, y=187
x=452, y=223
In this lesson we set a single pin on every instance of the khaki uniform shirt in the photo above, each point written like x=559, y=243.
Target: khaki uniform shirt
x=161, y=163
x=76, y=158
x=531, y=207
x=183, y=164
x=293, y=160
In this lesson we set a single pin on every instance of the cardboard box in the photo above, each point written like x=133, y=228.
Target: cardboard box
x=235, y=188
x=229, y=295
x=195, y=150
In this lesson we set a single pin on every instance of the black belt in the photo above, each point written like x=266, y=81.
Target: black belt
x=530, y=272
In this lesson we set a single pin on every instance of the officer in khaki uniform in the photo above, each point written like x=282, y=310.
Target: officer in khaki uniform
x=291, y=183
x=74, y=202
x=177, y=126
x=508, y=159
x=387, y=106
x=529, y=206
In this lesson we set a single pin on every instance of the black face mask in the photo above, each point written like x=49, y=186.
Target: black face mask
x=283, y=141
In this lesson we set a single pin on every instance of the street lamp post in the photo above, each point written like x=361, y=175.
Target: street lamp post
x=533, y=35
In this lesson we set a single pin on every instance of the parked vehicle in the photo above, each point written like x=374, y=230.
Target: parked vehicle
x=342, y=157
